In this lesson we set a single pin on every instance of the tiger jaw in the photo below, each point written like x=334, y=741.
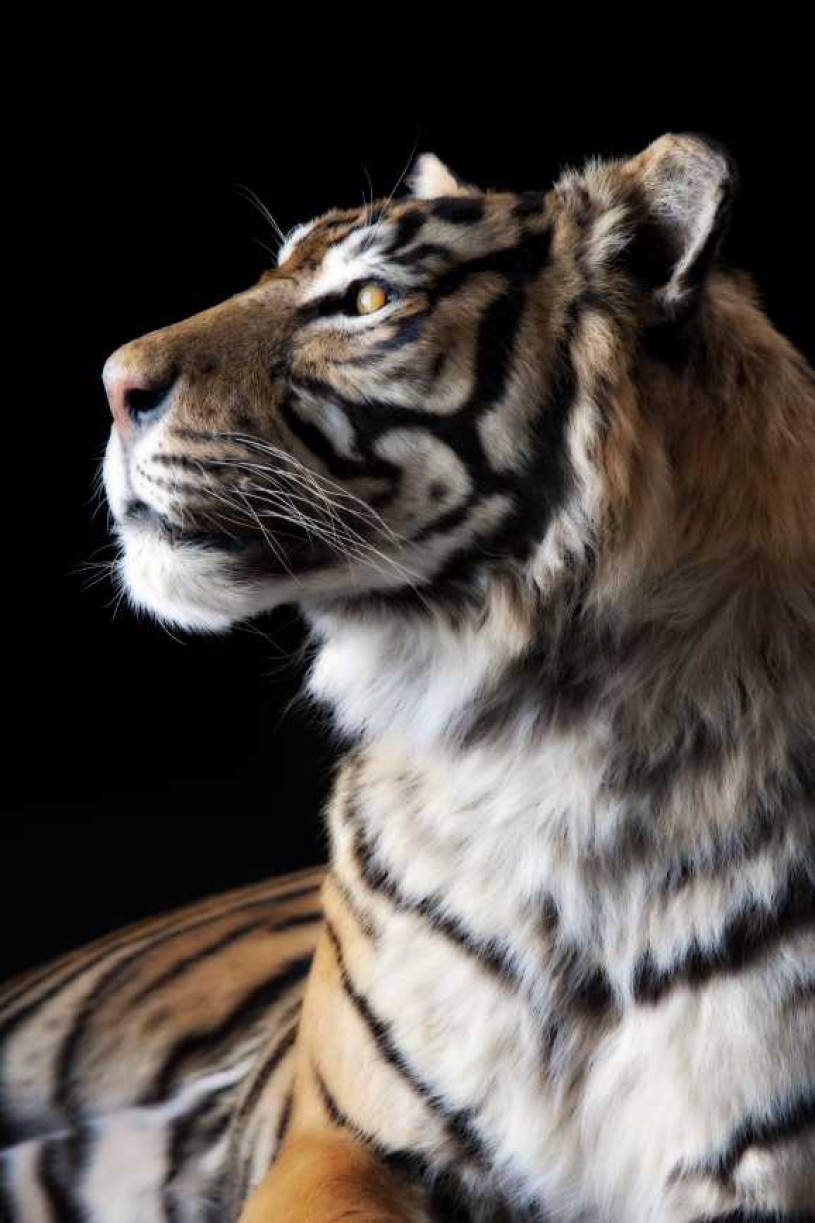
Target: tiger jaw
x=179, y=582
x=206, y=580
x=208, y=558
x=207, y=583
x=203, y=581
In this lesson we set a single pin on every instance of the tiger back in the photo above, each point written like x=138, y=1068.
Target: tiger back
x=143, y=1077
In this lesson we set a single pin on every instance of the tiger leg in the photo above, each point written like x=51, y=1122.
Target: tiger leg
x=330, y=1177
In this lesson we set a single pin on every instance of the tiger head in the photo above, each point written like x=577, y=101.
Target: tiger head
x=436, y=400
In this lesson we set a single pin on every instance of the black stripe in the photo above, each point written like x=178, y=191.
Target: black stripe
x=459, y=209
x=381, y=414
x=518, y=264
x=183, y=965
x=491, y=954
x=240, y=1189
x=495, y=349
x=285, y=1119
x=458, y=1123
x=423, y=252
x=543, y=482
x=584, y=988
x=725, y=851
x=9, y=1133
x=324, y=306
x=401, y=1160
x=537, y=493
x=59, y=1192
x=442, y=1184
x=362, y=919
x=403, y=231
x=495, y=345
x=248, y=1011
x=318, y=443
x=8, y=1210
x=337, y=1116
x=786, y=1119
x=748, y=934
x=17, y=988
x=448, y=521
x=404, y=331
x=195, y=1132
x=272, y=1062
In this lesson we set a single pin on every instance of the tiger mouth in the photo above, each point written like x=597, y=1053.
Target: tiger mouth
x=138, y=512
x=278, y=552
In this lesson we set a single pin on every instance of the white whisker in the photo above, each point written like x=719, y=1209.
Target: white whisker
x=253, y=198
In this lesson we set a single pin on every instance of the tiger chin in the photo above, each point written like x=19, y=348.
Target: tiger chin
x=539, y=472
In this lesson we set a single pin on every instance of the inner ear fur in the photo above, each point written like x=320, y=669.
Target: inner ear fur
x=682, y=188
x=431, y=179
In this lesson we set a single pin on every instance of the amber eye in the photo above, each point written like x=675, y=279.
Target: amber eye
x=370, y=298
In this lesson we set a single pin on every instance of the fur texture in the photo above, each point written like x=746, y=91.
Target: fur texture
x=549, y=513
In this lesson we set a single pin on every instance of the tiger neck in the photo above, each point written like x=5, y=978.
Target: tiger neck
x=424, y=780
x=473, y=762
x=417, y=681
x=617, y=726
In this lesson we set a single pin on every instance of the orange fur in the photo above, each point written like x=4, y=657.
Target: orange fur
x=330, y=1178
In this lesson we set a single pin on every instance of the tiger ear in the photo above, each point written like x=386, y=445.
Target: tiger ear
x=430, y=178
x=685, y=185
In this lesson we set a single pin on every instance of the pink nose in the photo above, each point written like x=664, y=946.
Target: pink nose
x=135, y=397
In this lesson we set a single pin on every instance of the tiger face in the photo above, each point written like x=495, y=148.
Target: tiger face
x=424, y=393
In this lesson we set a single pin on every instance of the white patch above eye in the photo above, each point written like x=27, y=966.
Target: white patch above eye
x=294, y=238
x=341, y=265
x=357, y=257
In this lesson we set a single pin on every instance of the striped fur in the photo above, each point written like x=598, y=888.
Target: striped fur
x=548, y=510
x=111, y=1108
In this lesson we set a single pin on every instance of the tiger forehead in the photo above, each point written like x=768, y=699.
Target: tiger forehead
x=404, y=221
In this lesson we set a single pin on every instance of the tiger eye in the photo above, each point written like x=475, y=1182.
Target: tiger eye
x=371, y=297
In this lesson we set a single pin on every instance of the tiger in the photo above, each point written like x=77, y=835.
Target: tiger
x=538, y=472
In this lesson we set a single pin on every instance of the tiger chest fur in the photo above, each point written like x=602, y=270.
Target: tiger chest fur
x=538, y=474
x=504, y=996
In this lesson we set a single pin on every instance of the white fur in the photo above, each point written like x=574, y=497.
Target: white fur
x=294, y=238
x=430, y=178
x=492, y=831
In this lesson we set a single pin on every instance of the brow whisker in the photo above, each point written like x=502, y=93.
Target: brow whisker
x=253, y=198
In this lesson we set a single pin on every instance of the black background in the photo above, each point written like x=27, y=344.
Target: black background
x=140, y=769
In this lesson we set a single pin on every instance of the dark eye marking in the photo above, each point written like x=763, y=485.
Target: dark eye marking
x=406, y=331
x=343, y=302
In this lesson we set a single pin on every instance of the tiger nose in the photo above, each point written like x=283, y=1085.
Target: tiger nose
x=137, y=396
